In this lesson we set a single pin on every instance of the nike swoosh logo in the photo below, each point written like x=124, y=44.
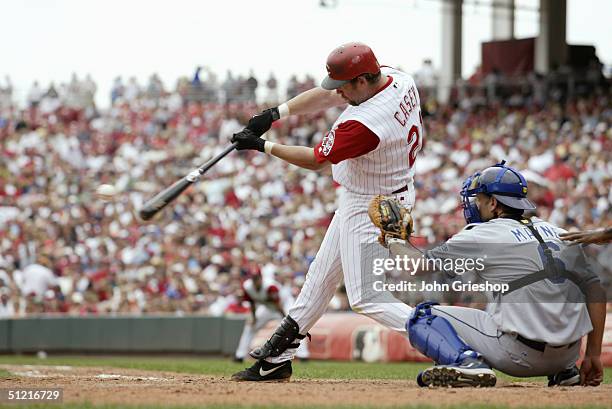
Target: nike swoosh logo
x=269, y=371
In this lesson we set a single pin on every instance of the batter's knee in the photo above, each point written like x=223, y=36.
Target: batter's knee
x=363, y=305
x=358, y=306
x=355, y=302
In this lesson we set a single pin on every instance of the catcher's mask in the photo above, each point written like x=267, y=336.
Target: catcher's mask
x=504, y=183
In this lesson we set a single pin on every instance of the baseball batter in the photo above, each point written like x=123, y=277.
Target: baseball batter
x=267, y=303
x=535, y=326
x=371, y=149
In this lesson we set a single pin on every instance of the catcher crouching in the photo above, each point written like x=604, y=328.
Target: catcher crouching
x=535, y=326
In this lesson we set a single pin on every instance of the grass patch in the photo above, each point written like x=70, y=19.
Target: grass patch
x=225, y=367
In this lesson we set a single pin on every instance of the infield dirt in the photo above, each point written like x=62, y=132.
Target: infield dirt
x=101, y=385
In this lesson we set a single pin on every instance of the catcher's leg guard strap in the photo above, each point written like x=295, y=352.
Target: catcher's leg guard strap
x=283, y=338
x=435, y=337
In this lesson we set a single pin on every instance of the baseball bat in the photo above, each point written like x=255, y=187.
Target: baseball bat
x=166, y=196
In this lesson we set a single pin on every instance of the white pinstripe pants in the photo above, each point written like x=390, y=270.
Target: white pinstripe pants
x=349, y=246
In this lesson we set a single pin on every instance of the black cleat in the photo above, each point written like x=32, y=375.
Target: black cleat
x=471, y=372
x=238, y=360
x=569, y=377
x=265, y=371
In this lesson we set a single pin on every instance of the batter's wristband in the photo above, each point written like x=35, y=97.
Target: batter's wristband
x=268, y=147
x=283, y=111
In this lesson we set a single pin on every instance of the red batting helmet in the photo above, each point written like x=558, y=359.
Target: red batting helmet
x=347, y=62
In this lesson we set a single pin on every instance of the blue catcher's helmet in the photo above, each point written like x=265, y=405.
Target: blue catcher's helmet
x=504, y=183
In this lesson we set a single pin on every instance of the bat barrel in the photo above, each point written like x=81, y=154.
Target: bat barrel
x=160, y=200
x=163, y=198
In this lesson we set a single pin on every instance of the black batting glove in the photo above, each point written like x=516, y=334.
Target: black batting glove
x=261, y=123
x=248, y=140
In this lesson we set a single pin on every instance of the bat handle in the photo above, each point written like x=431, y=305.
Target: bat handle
x=212, y=162
x=194, y=175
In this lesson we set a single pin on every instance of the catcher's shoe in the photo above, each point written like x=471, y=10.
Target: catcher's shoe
x=265, y=371
x=470, y=372
x=569, y=377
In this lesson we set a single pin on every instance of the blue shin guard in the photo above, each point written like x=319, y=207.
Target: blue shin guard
x=435, y=337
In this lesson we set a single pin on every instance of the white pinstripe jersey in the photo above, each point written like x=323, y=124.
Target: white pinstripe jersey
x=394, y=115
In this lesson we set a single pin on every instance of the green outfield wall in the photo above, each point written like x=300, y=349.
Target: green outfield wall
x=196, y=334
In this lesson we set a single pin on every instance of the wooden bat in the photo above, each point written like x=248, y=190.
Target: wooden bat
x=166, y=196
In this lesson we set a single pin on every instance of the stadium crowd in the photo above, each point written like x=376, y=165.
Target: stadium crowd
x=62, y=250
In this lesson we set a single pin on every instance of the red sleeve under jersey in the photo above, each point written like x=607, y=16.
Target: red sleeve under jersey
x=350, y=139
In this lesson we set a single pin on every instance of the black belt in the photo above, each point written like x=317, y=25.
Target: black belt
x=540, y=346
x=402, y=190
x=537, y=345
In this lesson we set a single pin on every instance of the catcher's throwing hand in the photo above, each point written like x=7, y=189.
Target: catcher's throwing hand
x=393, y=220
x=591, y=371
x=248, y=140
x=601, y=236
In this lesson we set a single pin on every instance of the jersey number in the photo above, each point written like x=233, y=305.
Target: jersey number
x=415, y=143
x=560, y=265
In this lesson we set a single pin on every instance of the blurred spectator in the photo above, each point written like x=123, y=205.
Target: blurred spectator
x=7, y=306
x=251, y=87
x=493, y=82
x=132, y=90
x=50, y=101
x=37, y=279
x=230, y=88
x=155, y=88
x=35, y=94
x=196, y=82
x=272, y=96
x=293, y=88
x=89, y=89
x=117, y=90
x=6, y=93
x=538, y=84
x=426, y=77
x=594, y=75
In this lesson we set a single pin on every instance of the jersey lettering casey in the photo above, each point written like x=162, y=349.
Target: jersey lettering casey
x=394, y=115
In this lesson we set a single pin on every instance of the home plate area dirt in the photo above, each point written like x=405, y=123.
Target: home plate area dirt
x=136, y=387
